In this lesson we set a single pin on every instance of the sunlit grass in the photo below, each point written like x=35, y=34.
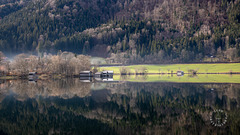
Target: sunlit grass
x=201, y=68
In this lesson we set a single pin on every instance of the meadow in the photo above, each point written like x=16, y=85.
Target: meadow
x=168, y=68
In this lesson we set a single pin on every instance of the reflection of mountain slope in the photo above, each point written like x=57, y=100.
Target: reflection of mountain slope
x=24, y=117
x=220, y=91
x=101, y=96
x=173, y=105
x=166, y=106
x=130, y=108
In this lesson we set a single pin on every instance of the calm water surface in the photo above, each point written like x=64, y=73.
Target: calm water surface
x=73, y=106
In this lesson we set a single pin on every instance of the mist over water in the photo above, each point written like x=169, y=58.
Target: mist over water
x=70, y=106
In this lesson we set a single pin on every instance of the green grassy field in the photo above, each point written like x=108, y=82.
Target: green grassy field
x=202, y=78
x=201, y=68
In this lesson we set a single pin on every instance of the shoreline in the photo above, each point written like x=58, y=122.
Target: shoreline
x=160, y=78
x=122, y=74
x=235, y=73
x=46, y=77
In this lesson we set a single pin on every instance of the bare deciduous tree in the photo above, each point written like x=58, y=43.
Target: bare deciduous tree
x=32, y=63
x=20, y=64
x=1, y=57
x=231, y=53
x=64, y=63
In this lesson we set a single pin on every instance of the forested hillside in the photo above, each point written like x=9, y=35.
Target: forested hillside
x=125, y=31
x=9, y=6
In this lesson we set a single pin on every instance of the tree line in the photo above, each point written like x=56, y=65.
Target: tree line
x=64, y=63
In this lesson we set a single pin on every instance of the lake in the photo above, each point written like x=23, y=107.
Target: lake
x=122, y=106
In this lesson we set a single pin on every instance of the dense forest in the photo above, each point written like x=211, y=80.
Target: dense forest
x=124, y=31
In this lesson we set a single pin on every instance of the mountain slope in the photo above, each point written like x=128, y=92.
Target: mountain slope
x=49, y=20
x=127, y=30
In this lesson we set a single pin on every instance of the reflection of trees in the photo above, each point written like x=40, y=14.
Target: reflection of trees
x=4, y=88
x=65, y=88
x=223, y=95
x=143, y=108
x=34, y=117
x=180, y=108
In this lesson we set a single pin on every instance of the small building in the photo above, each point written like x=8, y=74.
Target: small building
x=32, y=76
x=32, y=73
x=108, y=80
x=98, y=79
x=107, y=74
x=98, y=74
x=105, y=80
x=180, y=73
x=85, y=79
x=86, y=74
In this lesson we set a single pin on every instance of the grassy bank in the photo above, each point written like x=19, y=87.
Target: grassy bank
x=200, y=68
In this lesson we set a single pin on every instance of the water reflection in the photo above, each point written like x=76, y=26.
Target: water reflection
x=64, y=88
x=70, y=106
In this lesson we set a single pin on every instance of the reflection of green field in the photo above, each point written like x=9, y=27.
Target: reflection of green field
x=202, y=78
x=201, y=68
